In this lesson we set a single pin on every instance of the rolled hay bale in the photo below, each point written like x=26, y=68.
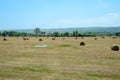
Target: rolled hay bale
x=53, y=38
x=114, y=37
x=82, y=37
x=40, y=39
x=4, y=39
x=95, y=38
x=63, y=38
x=115, y=47
x=103, y=37
x=24, y=38
x=82, y=43
x=27, y=38
x=76, y=38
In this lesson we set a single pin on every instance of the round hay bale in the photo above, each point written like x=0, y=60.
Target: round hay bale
x=103, y=37
x=95, y=38
x=82, y=43
x=114, y=37
x=82, y=37
x=53, y=38
x=63, y=38
x=4, y=39
x=115, y=47
x=76, y=38
x=40, y=39
x=24, y=39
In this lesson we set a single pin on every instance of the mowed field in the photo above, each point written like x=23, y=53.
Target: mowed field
x=60, y=60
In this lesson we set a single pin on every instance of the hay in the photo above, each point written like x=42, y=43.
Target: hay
x=76, y=38
x=40, y=39
x=115, y=47
x=82, y=43
x=82, y=37
x=103, y=37
x=25, y=38
x=95, y=38
x=63, y=38
x=114, y=37
x=4, y=39
x=53, y=38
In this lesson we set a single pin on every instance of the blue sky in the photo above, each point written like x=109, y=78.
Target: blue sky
x=46, y=14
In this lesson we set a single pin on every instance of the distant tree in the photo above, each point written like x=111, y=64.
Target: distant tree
x=56, y=34
x=61, y=34
x=0, y=33
x=67, y=34
x=13, y=33
x=37, y=31
x=75, y=33
x=5, y=33
x=43, y=33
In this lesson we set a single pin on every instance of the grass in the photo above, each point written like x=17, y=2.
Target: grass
x=60, y=60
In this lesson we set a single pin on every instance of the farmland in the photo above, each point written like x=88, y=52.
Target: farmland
x=60, y=60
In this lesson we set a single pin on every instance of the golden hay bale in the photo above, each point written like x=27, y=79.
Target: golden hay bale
x=40, y=39
x=82, y=43
x=115, y=47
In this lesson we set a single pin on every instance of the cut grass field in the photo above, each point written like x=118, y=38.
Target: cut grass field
x=60, y=60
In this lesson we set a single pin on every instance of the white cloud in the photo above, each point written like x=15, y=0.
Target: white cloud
x=110, y=19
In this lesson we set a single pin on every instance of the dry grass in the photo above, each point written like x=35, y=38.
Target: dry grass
x=61, y=60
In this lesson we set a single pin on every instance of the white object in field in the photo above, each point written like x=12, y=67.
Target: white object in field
x=41, y=46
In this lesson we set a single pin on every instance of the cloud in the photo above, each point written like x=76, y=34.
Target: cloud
x=110, y=19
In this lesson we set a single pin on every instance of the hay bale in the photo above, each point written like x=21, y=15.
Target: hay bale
x=24, y=38
x=82, y=43
x=4, y=39
x=82, y=37
x=103, y=37
x=53, y=38
x=63, y=38
x=76, y=38
x=115, y=47
x=40, y=39
x=95, y=38
x=114, y=37
x=27, y=38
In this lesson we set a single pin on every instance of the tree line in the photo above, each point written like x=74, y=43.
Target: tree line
x=39, y=33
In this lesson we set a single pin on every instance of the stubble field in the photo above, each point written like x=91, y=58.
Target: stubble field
x=60, y=60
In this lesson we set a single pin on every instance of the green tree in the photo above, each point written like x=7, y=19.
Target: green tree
x=75, y=33
x=37, y=31
x=56, y=34
x=67, y=34
x=13, y=33
x=0, y=33
x=5, y=33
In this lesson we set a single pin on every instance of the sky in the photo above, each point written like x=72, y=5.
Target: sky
x=47, y=14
